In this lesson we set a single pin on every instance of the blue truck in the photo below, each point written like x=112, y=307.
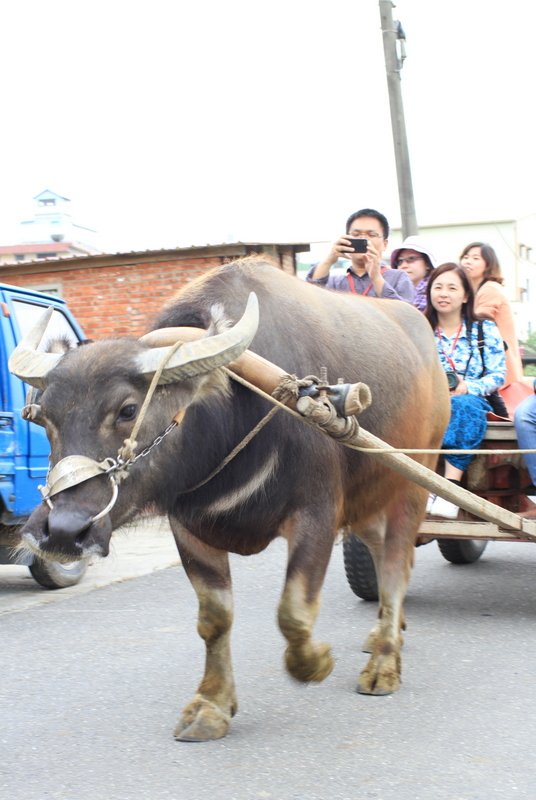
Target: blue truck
x=24, y=448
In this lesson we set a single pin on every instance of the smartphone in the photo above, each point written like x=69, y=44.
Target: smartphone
x=359, y=245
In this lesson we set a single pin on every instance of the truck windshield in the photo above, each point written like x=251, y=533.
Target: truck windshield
x=59, y=327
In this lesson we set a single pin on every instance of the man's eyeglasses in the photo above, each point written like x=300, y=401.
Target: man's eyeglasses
x=407, y=260
x=365, y=235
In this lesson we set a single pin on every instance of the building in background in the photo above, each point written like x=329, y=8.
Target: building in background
x=120, y=294
x=50, y=233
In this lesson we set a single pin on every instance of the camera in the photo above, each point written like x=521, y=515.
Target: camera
x=452, y=379
x=359, y=245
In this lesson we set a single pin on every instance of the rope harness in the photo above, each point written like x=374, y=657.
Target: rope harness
x=72, y=470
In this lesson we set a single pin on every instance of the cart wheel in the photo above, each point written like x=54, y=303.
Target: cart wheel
x=53, y=575
x=359, y=568
x=462, y=551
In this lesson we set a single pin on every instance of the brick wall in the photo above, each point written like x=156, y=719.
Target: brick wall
x=119, y=295
x=117, y=301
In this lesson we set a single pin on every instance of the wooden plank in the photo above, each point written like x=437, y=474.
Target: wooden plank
x=459, y=529
x=434, y=483
x=438, y=485
x=504, y=432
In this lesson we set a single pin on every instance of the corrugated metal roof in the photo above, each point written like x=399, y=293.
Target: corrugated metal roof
x=43, y=247
x=225, y=248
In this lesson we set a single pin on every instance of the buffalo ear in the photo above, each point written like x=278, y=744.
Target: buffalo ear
x=33, y=413
x=61, y=345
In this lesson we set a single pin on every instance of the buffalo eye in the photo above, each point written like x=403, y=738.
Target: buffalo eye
x=128, y=413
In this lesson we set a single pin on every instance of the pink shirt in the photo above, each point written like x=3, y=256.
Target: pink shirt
x=492, y=303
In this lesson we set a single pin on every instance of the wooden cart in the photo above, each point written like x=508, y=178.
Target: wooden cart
x=499, y=478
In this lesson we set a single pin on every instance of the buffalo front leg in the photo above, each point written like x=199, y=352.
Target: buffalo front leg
x=309, y=553
x=208, y=715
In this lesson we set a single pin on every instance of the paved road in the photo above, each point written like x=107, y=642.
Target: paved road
x=92, y=686
x=135, y=550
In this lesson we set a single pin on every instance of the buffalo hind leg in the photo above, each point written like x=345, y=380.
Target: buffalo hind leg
x=208, y=715
x=382, y=674
x=309, y=553
x=373, y=535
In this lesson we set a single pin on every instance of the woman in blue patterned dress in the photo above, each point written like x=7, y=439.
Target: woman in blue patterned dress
x=474, y=372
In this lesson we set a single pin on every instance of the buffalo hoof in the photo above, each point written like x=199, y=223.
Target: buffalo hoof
x=371, y=643
x=202, y=721
x=381, y=676
x=311, y=663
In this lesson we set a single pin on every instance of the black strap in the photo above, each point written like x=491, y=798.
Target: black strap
x=497, y=403
x=469, y=331
x=480, y=343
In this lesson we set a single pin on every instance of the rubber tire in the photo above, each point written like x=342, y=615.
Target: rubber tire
x=359, y=568
x=53, y=575
x=462, y=551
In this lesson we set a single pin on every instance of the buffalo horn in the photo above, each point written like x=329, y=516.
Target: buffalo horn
x=27, y=362
x=203, y=355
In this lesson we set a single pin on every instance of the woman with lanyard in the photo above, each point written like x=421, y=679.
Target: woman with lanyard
x=450, y=312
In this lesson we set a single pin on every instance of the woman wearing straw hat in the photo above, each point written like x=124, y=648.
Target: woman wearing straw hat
x=415, y=258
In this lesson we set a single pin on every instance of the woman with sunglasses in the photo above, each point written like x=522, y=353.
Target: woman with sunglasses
x=415, y=259
x=473, y=373
x=483, y=270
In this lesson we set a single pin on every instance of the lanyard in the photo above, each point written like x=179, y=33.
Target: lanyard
x=453, y=348
x=351, y=283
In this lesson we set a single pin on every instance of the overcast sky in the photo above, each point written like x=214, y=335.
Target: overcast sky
x=176, y=123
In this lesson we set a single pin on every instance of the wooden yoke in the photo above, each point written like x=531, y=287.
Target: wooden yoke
x=250, y=366
x=267, y=376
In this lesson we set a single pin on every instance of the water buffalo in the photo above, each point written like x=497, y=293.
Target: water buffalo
x=290, y=480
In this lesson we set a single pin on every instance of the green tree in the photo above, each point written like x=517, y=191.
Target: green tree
x=530, y=341
x=529, y=346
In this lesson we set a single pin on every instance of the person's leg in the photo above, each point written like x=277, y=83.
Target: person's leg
x=467, y=428
x=525, y=425
x=438, y=506
x=453, y=473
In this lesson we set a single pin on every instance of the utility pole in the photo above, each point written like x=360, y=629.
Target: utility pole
x=394, y=50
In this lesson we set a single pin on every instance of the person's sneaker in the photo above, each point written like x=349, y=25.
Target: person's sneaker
x=430, y=504
x=444, y=508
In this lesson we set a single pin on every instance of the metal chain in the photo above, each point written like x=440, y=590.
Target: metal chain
x=156, y=442
x=118, y=464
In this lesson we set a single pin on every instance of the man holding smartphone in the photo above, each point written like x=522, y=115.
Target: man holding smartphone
x=365, y=240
